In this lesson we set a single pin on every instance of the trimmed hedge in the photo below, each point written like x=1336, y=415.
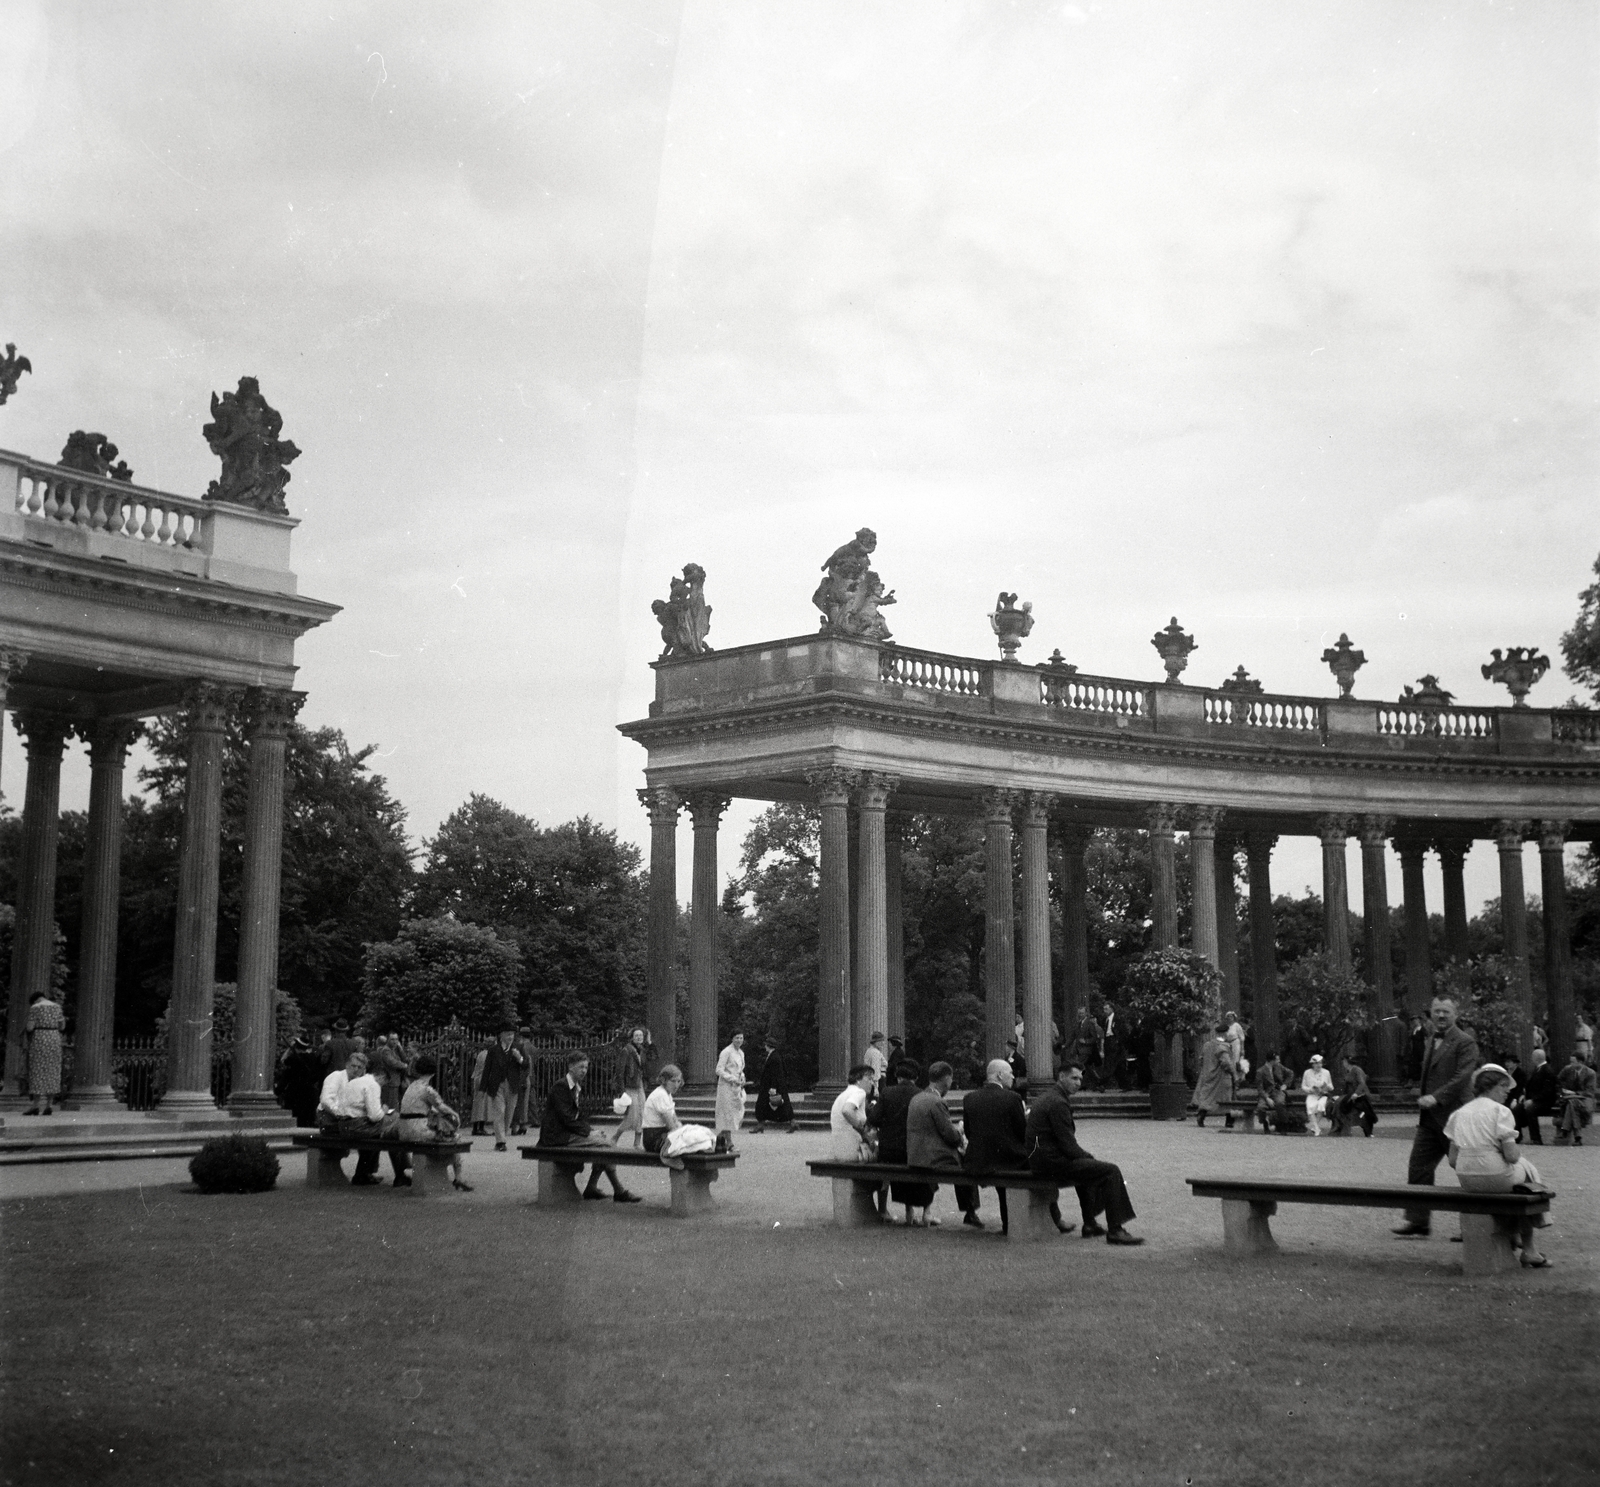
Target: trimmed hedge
x=234, y=1164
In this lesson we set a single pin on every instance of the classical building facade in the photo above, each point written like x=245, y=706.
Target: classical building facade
x=867, y=730
x=117, y=603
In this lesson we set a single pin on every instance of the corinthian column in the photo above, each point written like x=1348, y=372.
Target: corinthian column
x=661, y=942
x=44, y=735
x=1508, y=837
x=870, y=1013
x=1161, y=819
x=999, y=957
x=194, y=956
x=1452, y=862
x=894, y=920
x=12, y=661
x=1036, y=989
x=705, y=809
x=1227, y=918
x=1333, y=829
x=1419, y=967
x=255, y=1019
x=1074, y=927
x=1374, y=832
x=1258, y=847
x=833, y=941
x=1203, y=886
x=102, y=874
x=1560, y=1011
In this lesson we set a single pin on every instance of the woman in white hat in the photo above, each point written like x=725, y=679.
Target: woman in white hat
x=1484, y=1151
x=1317, y=1084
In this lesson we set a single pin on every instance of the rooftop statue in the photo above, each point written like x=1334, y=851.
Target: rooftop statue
x=1173, y=646
x=1011, y=624
x=1344, y=660
x=1517, y=670
x=243, y=433
x=684, y=615
x=94, y=455
x=12, y=367
x=1241, y=684
x=849, y=597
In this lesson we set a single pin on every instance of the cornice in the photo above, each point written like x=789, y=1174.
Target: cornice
x=769, y=718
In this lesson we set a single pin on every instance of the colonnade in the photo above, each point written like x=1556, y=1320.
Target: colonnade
x=861, y=987
x=45, y=734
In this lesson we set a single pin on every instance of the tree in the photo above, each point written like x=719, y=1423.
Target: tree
x=571, y=898
x=1580, y=646
x=1487, y=1004
x=1323, y=1007
x=1173, y=991
x=436, y=970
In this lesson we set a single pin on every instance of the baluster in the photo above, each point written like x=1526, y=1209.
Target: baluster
x=147, y=525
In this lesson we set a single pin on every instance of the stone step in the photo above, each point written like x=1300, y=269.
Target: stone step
x=131, y=1146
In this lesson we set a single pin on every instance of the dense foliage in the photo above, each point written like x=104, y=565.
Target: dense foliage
x=1321, y=1008
x=435, y=970
x=234, y=1164
x=1486, y=1003
x=1173, y=991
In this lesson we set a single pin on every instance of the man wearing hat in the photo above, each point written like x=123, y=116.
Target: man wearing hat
x=1316, y=1084
x=500, y=1084
x=338, y=1049
x=875, y=1058
x=897, y=1054
x=1448, y=1063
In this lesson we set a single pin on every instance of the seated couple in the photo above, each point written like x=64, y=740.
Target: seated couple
x=351, y=1104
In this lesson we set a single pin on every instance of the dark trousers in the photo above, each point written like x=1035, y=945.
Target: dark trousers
x=1428, y=1149
x=367, y=1161
x=1361, y=1107
x=1528, y=1120
x=1099, y=1184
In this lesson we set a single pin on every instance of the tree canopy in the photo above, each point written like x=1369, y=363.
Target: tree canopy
x=1580, y=646
x=435, y=970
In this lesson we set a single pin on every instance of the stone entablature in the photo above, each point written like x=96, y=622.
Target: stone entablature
x=763, y=715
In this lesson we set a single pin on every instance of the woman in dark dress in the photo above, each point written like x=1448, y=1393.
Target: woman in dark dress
x=772, y=1097
x=886, y=1113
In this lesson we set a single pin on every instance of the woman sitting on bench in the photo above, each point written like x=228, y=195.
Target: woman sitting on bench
x=1484, y=1152
x=424, y=1116
x=661, y=1120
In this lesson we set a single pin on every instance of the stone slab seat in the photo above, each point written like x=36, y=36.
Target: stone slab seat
x=430, y=1160
x=1293, y=1117
x=1489, y=1221
x=856, y=1184
x=691, y=1188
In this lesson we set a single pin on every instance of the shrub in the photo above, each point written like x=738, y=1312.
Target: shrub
x=1173, y=991
x=234, y=1164
x=436, y=969
x=1487, y=1004
x=1325, y=1004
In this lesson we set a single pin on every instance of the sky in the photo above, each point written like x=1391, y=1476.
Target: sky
x=1279, y=319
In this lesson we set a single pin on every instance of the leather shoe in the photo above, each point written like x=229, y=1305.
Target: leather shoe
x=972, y=1220
x=1065, y=1228
x=402, y=1182
x=1412, y=1231
x=1092, y=1230
x=365, y=1181
x=1122, y=1236
x=594, y=1195
x=624, y=1197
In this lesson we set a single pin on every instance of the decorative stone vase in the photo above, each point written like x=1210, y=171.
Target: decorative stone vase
x=1241, y=684
x=1173, y=646
x=1344, y=660
x=1517, y=671
x=1011, y=624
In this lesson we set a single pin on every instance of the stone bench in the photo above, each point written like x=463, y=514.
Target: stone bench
x=691, y=1187
x=1489, y=1221
x=856, y=1184
x=1293, y=1114
x=325, y=1156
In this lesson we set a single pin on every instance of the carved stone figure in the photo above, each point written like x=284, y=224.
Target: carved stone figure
x=1344, y=660
x=1517, y=670
x=684, y=615
x=94, y=455
x=1010, y=624
x=12, y=367
x=243, y=434
x=850, y=596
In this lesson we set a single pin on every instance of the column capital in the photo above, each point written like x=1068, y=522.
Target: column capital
x=1375, y=831
x=662, y=802
x=109, y=739
x=1509, y=834
x=1333, y=829
x=832, y=785
x=1553, y=835
x=12, y=660
x=1161, y=818
x=1076, y=836
x=706, y=807
x=270, y=710
x=1452, y=850
x=44, y=734
x=1258, y=845
x=1203, y=821
x=998, y=805
x=209, y=704
x=1036, y=807
x=875, y=790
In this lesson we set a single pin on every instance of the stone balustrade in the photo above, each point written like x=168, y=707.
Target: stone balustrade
x=93, y=516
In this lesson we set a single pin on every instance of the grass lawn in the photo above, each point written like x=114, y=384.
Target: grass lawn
x=154, y=1335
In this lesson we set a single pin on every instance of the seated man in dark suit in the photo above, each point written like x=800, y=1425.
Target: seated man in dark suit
x=565, y=1124
x=996, y=1124
x=1053, y=1151
x=1539, y=1095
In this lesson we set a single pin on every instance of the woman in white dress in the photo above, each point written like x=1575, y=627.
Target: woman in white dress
x=1484, y=1151
x=730, y=1090
x=1317, y=1084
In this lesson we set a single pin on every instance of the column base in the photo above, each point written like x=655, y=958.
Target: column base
x=185, y=1102
x=96, y=1097
x=824, y=1093
x=1168, y=1100
x=259, y=1108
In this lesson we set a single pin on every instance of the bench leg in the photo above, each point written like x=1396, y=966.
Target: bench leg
x=558, y=1183
x=1250, y=1122
x=324, y=1169
x=430, y=1173
x=855, y=1204
x=1037, y=1226
x=691, y=1191
x=1486, y=1244
x=1245, y=1228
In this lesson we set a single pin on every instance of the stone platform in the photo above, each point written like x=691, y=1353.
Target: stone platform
x=110, y=1133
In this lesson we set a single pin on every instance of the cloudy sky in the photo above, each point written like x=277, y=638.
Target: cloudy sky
x=1277, y=318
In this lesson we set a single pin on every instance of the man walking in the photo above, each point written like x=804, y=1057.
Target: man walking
x=1053, y=1152
x=1448, y=1063
x=500, y=1088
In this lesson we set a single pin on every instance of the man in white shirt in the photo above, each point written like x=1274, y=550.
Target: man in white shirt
x=847, y=1120
x=875, y=1058
x=352, y=1105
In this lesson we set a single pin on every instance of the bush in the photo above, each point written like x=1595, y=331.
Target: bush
x=1487, y=1004
x=1173, y=991
x=1325, y=1005
x=234, y=1164
x=436, y=969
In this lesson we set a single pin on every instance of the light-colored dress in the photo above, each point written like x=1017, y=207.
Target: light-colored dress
x=417, y=1105
x=1317, y=1085
x=45, y=1022
x=1477, y=1129
x=730, y=1088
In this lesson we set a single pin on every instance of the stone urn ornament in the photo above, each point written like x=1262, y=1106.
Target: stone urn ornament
x=1241, y=684
x=1517, y=670
x=1011, y=624
x=1429, y=699
x=1058, y=663
x=1344, y=660
x=1173, y=646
